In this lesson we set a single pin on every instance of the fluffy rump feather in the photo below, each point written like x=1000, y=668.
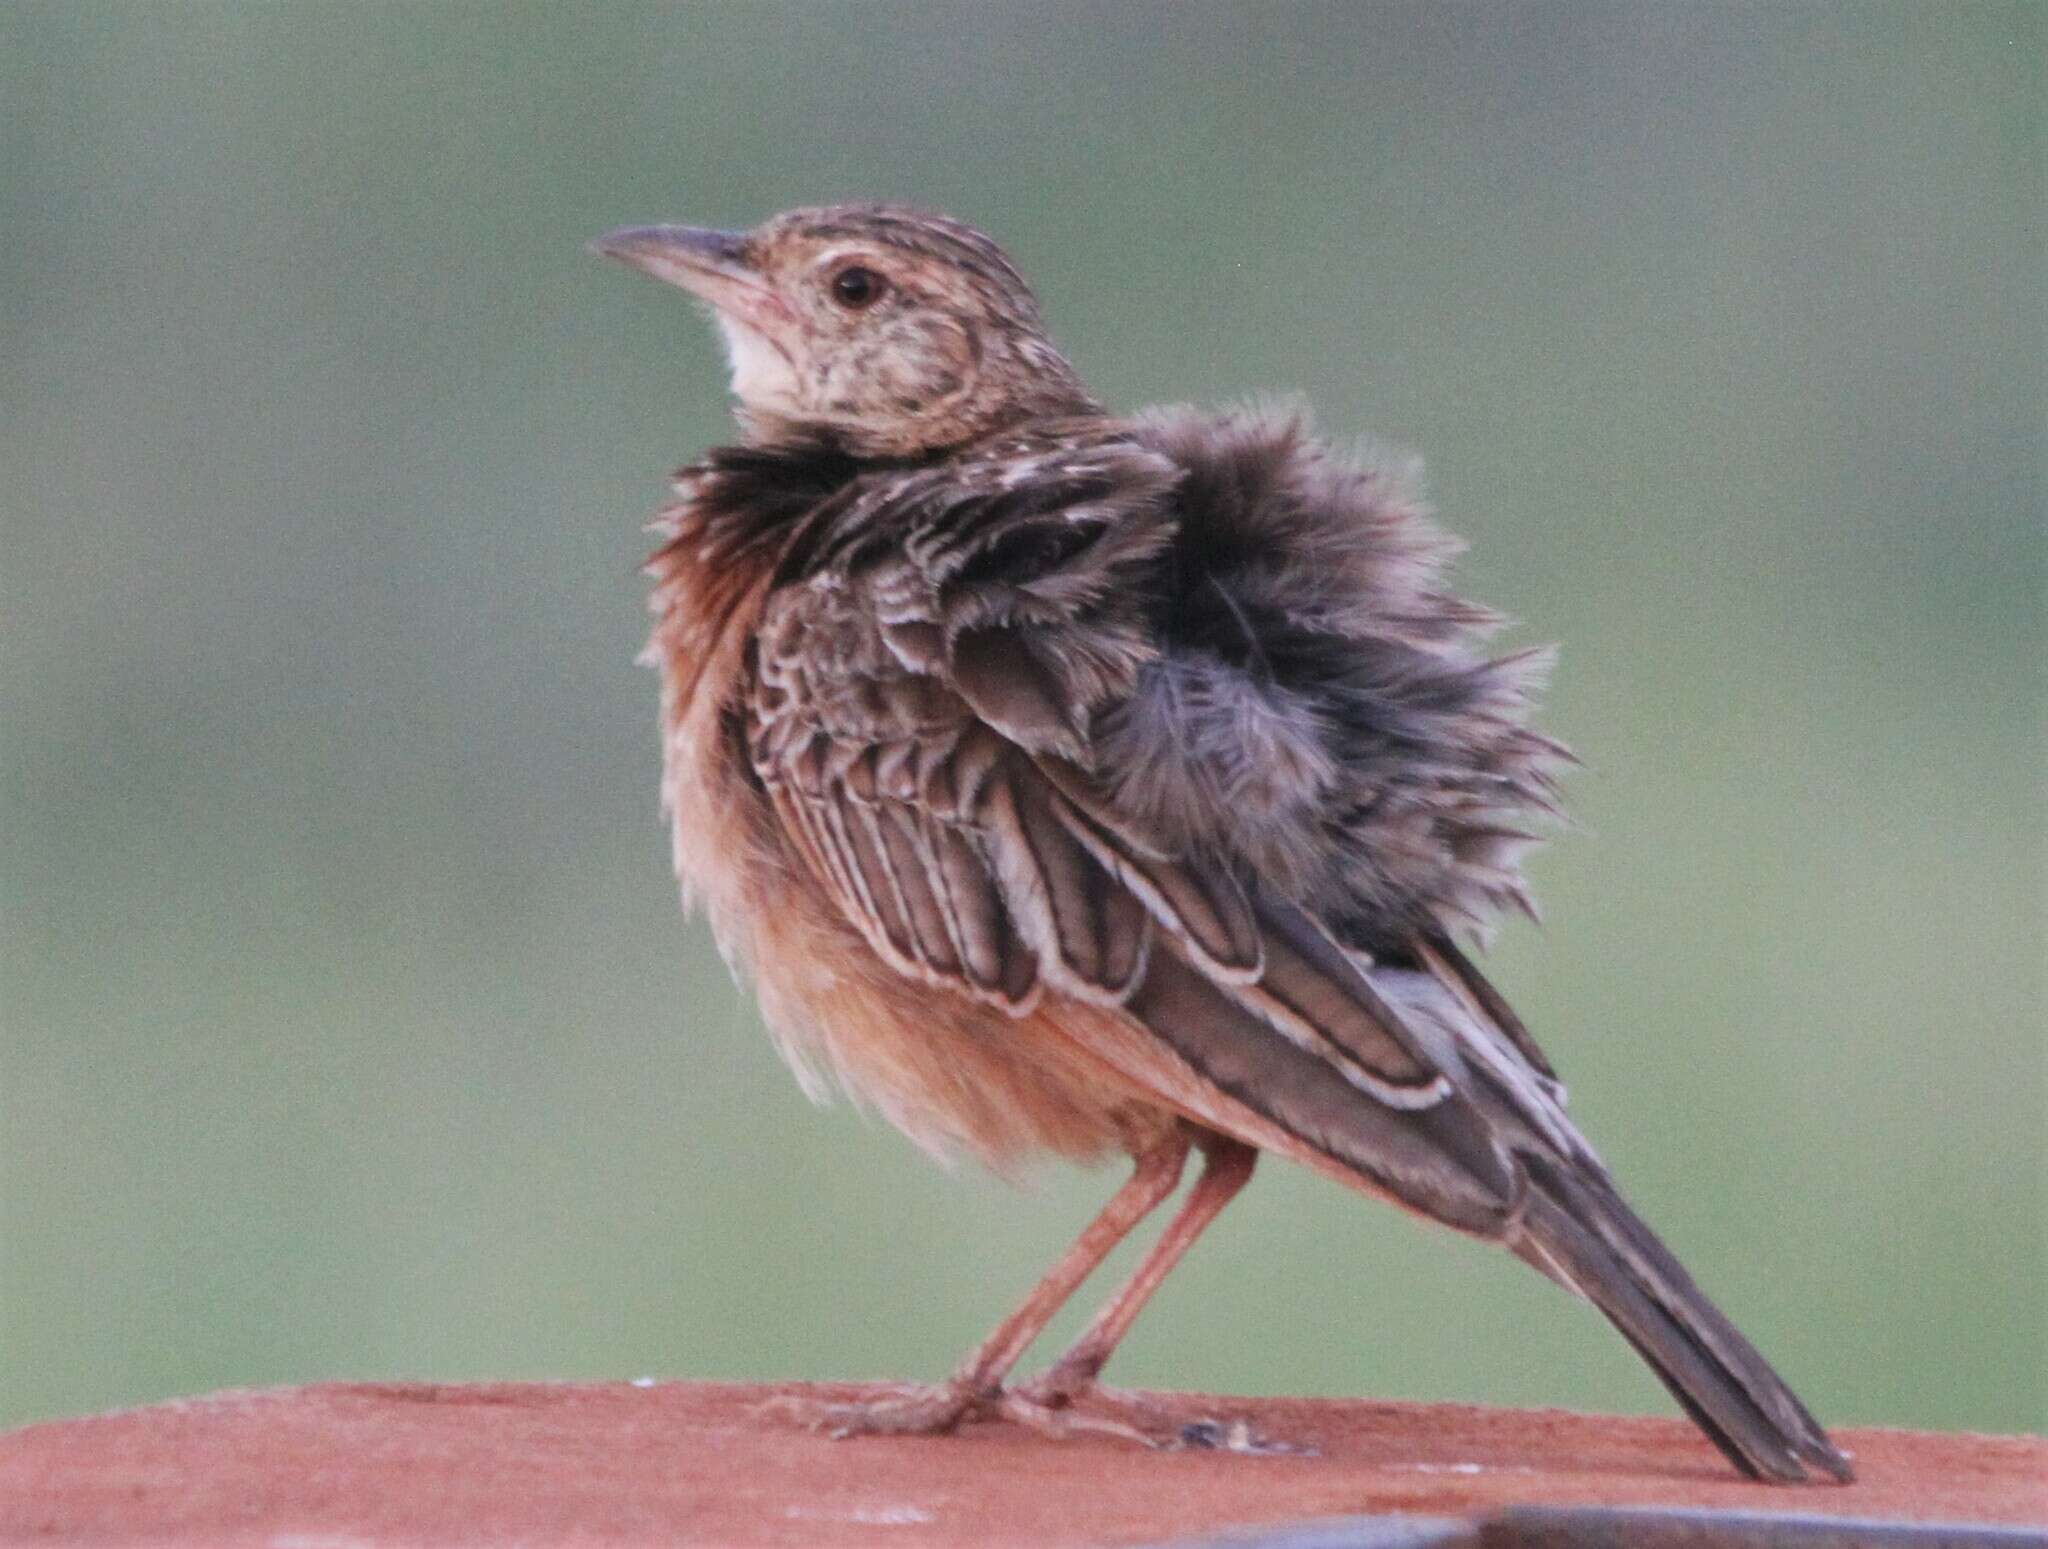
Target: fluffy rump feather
x=1321, y=705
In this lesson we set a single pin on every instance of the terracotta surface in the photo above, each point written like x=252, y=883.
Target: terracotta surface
x=694, y=1463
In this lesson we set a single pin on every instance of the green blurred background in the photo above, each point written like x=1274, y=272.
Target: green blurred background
x=347, y=1024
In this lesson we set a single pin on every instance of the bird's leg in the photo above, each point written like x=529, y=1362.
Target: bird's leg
x=976, y=1386
x=1227, y=1168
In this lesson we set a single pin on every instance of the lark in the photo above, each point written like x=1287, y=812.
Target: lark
x=1083, y=784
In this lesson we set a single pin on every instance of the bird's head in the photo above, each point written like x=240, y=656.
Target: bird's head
x=891, y=331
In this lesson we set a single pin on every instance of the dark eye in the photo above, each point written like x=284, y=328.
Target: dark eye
x=856, y=288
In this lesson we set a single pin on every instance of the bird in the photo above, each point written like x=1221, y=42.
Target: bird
x=1088, y=785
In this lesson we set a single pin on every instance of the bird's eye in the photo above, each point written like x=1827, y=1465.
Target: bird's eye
x=857, y=288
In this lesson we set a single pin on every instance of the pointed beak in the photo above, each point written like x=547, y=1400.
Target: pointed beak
x=712, y=265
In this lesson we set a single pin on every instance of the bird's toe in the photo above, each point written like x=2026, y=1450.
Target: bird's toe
x=1061, y=1404
x=920, y=1409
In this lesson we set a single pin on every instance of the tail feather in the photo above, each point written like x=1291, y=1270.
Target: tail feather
x=1577, y=1230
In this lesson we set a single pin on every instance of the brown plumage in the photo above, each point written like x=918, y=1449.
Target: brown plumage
x=1080, y=784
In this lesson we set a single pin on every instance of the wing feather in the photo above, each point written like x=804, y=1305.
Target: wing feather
x=920, y=720
x=912, y=873
x=1206, y=911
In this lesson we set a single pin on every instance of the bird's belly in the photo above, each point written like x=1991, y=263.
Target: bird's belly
x=953, y=1074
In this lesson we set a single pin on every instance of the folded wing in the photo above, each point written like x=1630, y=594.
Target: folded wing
x=920, y=723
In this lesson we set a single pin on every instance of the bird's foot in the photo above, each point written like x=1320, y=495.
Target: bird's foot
x=1062, y=1422
x=911, y=1409
x=1066, y=1401
x=934, y=1409
x=1059, y=1405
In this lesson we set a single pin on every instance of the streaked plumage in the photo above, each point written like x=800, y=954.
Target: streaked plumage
x=1079, y=784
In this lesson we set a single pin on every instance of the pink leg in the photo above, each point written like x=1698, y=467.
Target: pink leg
x=977, y=1384
x=1227, y=1169
x=1049, y=1402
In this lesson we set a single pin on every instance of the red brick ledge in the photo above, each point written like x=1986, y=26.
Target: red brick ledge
x=621, y=1464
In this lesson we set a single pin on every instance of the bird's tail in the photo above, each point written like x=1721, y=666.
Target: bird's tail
x=1577, y=1230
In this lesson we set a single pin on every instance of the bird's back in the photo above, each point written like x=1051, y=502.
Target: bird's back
x=1249, y=634
x=1322, y=704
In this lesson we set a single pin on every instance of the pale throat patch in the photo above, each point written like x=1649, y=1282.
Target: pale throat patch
x=761, y=378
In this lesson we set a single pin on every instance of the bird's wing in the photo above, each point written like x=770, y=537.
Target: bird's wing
x=928, y=681
x=925, y=682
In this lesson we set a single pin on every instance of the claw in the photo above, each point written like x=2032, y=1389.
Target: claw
x=1061, y=1423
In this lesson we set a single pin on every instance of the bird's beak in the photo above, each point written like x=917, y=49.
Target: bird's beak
x=711, y=265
